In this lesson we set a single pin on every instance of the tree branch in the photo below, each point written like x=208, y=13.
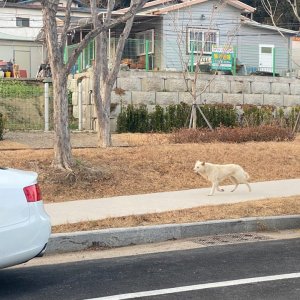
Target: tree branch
x=66, y=26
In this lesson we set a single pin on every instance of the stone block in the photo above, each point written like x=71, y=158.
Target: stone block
x=75, y=111
x=234, y=99
x=176, y=85
x=295, y=88
x=280, y=88
x=260, y=87
x=291, y=100
x=129, y=84
x=219, y=86
x=152, y=84
x=166, y=98
x=113, y=124
x=202, y=86
x=143, y=98
x=72, y=85
x=151, y=108
x=276, y=100
x=87, y=116
x=185, y=97
x=115, y=110
x=211, y=98
x=121, y=99
x=256, y=99
x=240, y=87
x=75, y=98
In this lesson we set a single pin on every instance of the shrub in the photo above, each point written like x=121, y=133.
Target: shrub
x=254, y=115
x=133, y=119
x=138, y=119
x=218, y=115
x=1, y=126
x=233, y=135
x=16, y=88
x=157, y=120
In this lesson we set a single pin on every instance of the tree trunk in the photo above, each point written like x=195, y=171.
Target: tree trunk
x=62, y=146
x=106, y=76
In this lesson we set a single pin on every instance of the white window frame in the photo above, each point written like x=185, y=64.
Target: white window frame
x=141, y=43
x=204, y=43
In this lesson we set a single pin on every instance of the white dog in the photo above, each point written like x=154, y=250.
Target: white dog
x=217, y=173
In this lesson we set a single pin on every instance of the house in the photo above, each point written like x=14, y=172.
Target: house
x=176, y=35
x=20, y=26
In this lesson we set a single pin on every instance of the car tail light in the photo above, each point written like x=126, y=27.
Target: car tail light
x=33, y=193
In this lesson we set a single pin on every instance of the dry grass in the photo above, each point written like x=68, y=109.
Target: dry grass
x=154, y=168
x=150, y=164
x=261, y=208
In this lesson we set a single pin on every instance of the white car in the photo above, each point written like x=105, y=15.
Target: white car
x=24, y=225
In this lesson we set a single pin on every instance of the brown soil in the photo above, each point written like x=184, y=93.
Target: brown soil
x=149, y=163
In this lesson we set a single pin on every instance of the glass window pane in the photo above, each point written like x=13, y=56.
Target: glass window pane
x=267, y=50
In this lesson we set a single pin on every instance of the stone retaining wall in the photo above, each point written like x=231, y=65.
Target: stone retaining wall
x=165, y=88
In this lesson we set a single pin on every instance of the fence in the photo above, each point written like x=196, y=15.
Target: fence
x=28, y=105
x=22, y=105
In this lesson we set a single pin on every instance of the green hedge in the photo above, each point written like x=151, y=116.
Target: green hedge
x=139, y=119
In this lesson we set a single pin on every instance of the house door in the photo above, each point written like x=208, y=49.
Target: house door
x=266, y=56
x=22, y=58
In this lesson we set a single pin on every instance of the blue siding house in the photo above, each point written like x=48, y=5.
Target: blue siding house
x=177, y=35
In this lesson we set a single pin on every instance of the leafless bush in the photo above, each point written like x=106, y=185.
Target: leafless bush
x=233, y=135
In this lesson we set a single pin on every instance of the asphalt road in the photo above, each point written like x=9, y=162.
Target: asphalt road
x=272, y=270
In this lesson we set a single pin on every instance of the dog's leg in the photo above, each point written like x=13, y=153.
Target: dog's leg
x=233, y=180
x=213, y=188
x=248, y=185
x=220, y=189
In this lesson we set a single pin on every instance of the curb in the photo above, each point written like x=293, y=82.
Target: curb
x=118, y=237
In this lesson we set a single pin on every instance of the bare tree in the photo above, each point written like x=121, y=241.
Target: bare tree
x=56, y=41
x=105, y=77
x=192, y=69
x=271, y=8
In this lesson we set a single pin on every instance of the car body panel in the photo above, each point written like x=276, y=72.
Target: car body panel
x=14, y=207
x=24, y=227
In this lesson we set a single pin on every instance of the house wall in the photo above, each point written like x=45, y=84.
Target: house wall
x=33, y=55
x=165, y=88
x=23, y=38
x=225, y=18
x=157, y=26
x=296, y=55
x=8, y=17
x=248, y=42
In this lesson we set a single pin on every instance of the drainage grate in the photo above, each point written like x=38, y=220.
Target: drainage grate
x=230, y=239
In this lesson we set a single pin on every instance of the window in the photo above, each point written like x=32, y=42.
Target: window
x=142, y=37
x=201, y=40
x=22, y=22
x=267, y=50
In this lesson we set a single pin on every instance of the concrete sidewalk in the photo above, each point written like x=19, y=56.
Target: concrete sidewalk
x=96, y=209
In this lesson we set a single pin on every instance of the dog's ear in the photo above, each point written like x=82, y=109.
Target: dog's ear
x=203, y=163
